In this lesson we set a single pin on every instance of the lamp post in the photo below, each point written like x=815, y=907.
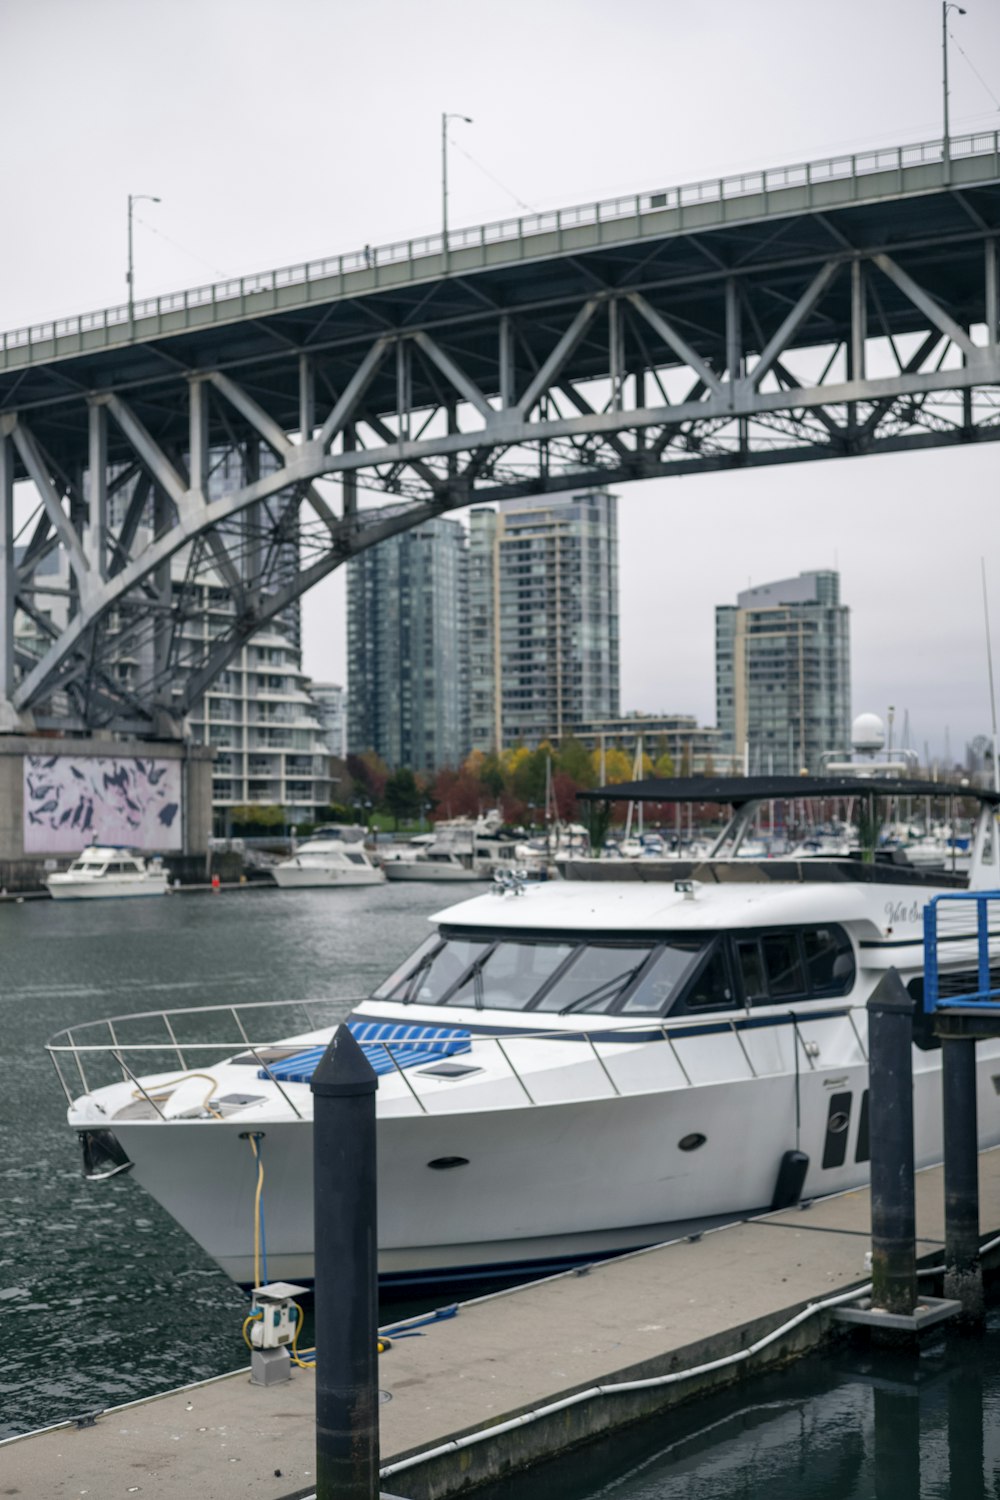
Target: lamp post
x=444, y=177
x=946, y=6
x=133, y=198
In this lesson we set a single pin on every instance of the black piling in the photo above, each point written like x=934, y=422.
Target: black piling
x=346, y=1259
x=963, y=1274
x=894, y=1229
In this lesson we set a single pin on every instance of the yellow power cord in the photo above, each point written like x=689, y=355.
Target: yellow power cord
x=254, y=1317
x=304, y=1364
x=256, y=1211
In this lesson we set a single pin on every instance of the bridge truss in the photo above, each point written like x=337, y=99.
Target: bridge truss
x=149, y=469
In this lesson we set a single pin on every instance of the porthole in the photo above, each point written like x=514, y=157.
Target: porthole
x=691, y=1142
x=445, y=1163
x=838, y=1122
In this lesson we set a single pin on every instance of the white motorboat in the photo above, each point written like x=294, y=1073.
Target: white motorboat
x=433, y=864
x=567, y=1070
x=461, y=849
x=103, y=870
x=331, y=857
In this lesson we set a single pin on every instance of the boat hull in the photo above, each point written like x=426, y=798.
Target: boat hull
x=539, y=1185
x=316, y=877
x=105, y=888
x=413, y=869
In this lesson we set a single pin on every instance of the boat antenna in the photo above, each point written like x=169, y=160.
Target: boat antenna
x=989, y=667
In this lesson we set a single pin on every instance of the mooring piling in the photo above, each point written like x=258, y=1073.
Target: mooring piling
x=963, y=1275
x=346, y=1271
x=893, y=1198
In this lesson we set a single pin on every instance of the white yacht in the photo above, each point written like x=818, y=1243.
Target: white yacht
x=566, y=1070
x=332, y=856
x=460, y=849
x=103, y=870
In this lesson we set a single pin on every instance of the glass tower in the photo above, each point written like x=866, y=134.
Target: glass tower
x=783, y=674
x=543, y=618
x=406, y=648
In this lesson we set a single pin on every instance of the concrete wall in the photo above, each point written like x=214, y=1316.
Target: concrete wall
x=20, y=871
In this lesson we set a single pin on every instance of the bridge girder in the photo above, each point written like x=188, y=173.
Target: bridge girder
x=810, y=346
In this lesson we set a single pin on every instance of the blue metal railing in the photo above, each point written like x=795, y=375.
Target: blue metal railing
x=962, y=920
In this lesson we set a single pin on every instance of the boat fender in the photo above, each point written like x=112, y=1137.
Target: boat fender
x=791, y=1178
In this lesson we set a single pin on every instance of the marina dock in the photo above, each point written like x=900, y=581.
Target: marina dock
x=502, y=1359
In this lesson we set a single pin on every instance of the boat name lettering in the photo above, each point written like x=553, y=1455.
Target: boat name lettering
x=900, y=911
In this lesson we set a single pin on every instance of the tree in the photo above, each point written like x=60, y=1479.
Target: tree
x=370, y=774
x=455, y=794
x=564, y=790
x=617, y=766
x=575, y=762
x=491, y=776
x=664, y=766
x=402, y=795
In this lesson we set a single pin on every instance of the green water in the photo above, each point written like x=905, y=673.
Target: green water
x=103, y=1298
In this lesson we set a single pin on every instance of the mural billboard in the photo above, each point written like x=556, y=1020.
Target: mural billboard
x=71, y=801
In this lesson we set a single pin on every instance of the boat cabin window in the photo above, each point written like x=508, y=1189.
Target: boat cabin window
x=711, y=988
x=796, y=964
x=680, y=975
x=511, y=975
x=783, y=965
x=596, y=977
x=355, y=859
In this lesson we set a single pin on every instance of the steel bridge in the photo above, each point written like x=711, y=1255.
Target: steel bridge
x=180, y=448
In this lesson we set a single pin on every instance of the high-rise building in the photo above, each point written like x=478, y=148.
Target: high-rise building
x=331, y=706
x=406, y=648
x=783, y=674
x=543, y=618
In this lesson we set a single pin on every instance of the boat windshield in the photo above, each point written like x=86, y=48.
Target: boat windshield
x=438, y=970
x=631, y=977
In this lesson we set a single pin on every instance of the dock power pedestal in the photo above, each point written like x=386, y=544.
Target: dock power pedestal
x=272, y=1333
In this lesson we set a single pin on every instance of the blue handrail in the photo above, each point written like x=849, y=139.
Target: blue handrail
x=985, y=996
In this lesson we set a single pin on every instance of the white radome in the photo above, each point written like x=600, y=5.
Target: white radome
x=868, y=733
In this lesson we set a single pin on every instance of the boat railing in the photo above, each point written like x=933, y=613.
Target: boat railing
x=103, y=1051
x=960, y=924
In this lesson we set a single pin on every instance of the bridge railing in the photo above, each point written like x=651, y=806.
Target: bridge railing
x=958, y=927
x=514, y=229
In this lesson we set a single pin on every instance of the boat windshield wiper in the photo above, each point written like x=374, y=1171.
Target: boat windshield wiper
x=410, y=991
x=600, y=991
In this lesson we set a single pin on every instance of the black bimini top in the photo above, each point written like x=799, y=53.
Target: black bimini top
x=738, y=790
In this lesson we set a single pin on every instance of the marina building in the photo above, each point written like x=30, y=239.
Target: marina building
x=543, y=618
x=782, y=674
x=407, y=621
x=694, y=749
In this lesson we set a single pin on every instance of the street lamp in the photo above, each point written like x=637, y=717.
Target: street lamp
x=134, y=198
x=466, y=120
x=946, y=6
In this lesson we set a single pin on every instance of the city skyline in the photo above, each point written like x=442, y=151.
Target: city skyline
x=916, y=604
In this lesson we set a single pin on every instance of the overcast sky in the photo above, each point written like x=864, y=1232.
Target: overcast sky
x=279, y=130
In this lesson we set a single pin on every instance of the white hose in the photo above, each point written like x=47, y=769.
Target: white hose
x=525, y=1419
